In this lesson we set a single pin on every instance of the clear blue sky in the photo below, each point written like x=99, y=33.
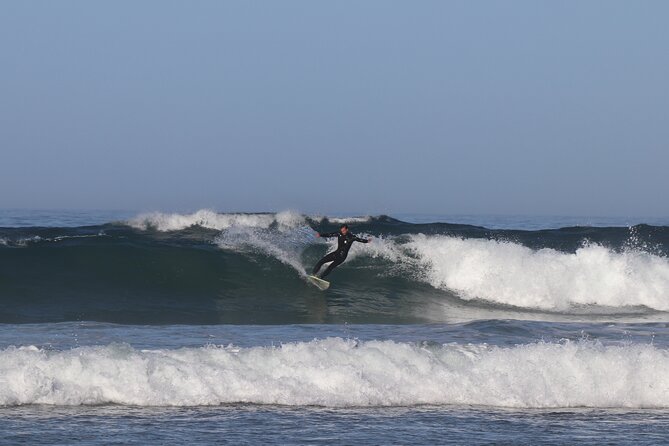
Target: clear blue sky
x=508, y=107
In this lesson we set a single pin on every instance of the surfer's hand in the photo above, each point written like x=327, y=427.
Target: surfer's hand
x=369, y=240
x=318, y=234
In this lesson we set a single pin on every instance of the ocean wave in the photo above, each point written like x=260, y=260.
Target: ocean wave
x=247, y=268
x=348, y=220
x=23, y=242
x=512, y=274
x=335, y=372
x=209, y=219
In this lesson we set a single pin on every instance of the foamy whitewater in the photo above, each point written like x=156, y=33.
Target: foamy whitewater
x=439, y=330
x=342, y=373
x=512, y=274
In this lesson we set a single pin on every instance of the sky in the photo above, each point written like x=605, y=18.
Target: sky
x=440, y=107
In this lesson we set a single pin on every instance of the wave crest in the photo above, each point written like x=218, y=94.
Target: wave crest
x=209, y=219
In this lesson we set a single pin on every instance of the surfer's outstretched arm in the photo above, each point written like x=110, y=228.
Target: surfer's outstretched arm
x=362, y=240
x=327, y=234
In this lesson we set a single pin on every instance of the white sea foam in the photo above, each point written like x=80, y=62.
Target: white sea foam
x=512, y=274
x=25, y=241
x=207, y=218
x=342, y=373
x=349, y=220
x=212, y=220
x=381, y=247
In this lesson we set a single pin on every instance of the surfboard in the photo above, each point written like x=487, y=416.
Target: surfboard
x=320, y=283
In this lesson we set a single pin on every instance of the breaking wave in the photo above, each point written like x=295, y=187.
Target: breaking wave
x=335, y=372
x=208, y=267
x=512, y=274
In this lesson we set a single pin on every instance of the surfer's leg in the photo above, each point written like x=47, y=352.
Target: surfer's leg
x=338, y=261
x=328, y=258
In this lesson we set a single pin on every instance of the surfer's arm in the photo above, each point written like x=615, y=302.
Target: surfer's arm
x=362, y=240
x=328, y=234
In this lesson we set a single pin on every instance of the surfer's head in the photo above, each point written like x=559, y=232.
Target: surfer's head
x=343, y=229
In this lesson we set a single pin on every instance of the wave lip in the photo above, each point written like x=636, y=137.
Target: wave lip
x=342, y=373
x=209, y=219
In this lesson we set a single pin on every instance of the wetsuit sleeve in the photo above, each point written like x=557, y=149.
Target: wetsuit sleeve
x=328, y=234
x=361, y=240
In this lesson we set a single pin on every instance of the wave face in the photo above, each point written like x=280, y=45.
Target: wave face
x=208, y=268
x=342, y=373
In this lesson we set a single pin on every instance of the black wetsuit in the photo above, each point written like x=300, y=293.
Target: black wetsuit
x=337, y=257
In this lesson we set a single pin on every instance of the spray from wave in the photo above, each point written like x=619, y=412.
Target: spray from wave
x=284, y=245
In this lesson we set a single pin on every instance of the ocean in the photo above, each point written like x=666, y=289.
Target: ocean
x=200, y=328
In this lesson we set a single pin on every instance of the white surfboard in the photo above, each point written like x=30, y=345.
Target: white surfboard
x=320, y=283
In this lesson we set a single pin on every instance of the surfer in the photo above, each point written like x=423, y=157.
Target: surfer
x=344, y=241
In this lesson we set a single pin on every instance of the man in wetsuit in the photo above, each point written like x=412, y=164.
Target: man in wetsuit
x=344, y=241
